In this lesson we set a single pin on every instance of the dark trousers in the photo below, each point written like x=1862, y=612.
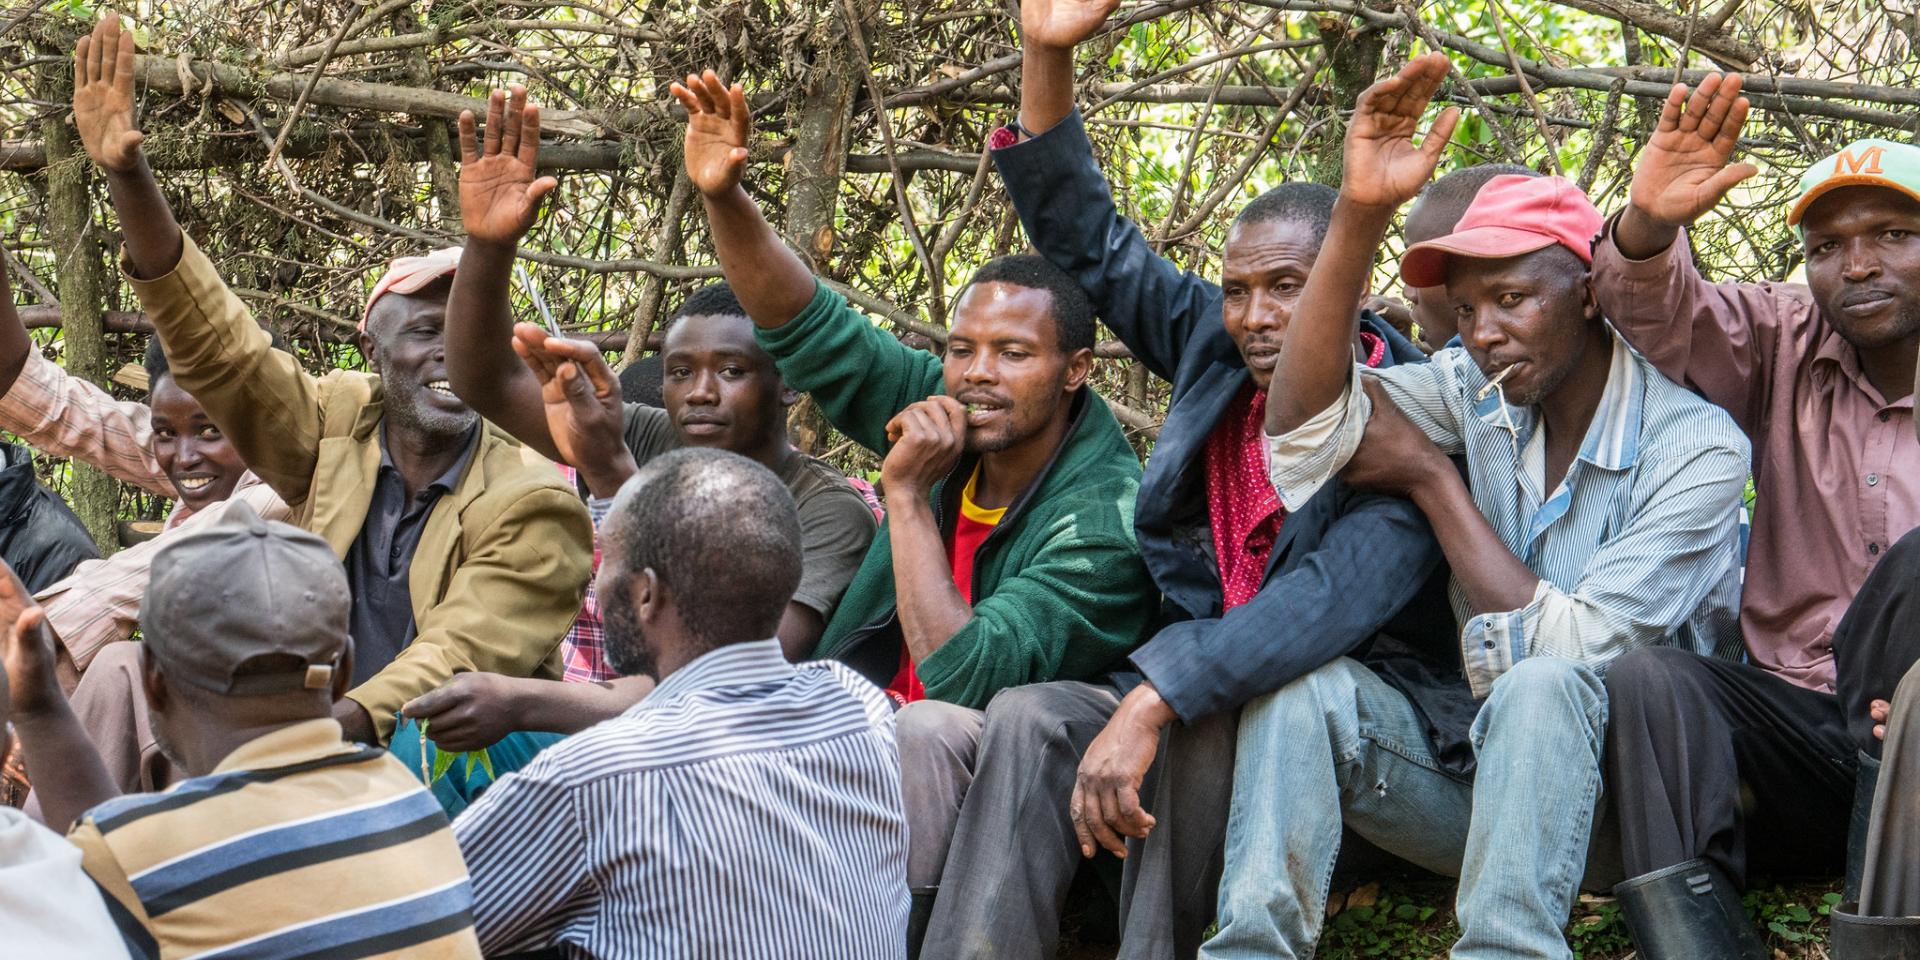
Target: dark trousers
x=1170, y=888
x=1707, y=758
x=1890, y=885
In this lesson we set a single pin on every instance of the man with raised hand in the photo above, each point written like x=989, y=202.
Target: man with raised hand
x=1063, y=766
x=1728, y=769
x=465, y=550
x=1599, y=514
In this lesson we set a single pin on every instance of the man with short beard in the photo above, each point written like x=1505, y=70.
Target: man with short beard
x=1599, y=514
x=464, y=550
x=1724, y=770
x=747, y=808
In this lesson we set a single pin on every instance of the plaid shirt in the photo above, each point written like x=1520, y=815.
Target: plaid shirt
x=584, y=650
x=66, y=416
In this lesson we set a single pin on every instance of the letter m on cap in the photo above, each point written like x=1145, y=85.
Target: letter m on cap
x=1866, y=162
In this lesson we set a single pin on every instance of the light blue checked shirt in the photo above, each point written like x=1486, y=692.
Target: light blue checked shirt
x=1638, y=545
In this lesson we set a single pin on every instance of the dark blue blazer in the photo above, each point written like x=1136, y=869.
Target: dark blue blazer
x=1343, y=565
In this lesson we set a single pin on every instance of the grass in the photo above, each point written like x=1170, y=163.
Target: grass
x=1412, y=919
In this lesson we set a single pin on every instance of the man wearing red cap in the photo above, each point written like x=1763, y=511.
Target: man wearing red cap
x=463, y=549
x=1599, y=514
x=1738, y=768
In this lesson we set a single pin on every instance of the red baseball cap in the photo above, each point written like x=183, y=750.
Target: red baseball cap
x=412, y=275
x=1510, y=216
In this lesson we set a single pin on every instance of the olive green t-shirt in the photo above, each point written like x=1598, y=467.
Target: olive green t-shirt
x=836, y=524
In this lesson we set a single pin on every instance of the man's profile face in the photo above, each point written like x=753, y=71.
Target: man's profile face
x=626, y=642
x=199, y=460
x=1433, y=314
x=1262, y=272
x=1863, y=263
x=1529, y=312
x=720, y=388
x=1004, y=362
x=405, y=342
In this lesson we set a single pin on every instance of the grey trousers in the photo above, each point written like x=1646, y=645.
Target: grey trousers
x=1890, y=887
x=1170, y=889
x=986, y=796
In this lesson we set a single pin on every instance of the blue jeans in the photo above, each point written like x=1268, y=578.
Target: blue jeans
x=1341, y=744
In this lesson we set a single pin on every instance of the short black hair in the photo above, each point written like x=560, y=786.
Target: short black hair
x=1072, y=311
x=1303, y=202
x=721, y=531
x=640, y=381
x=714, y=299
x=1445, y=200
x=155, y=359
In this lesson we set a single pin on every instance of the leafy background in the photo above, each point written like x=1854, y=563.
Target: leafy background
x=870, y=118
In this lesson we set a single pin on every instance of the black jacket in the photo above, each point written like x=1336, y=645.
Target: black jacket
x=40, y=538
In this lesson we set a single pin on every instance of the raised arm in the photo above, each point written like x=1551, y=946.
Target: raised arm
x=14, y=342
x=1687, y=165
x=1049, y=31
x=1383, y=170
x=45, y=721
x=771, y=282
x=499, y=201
x=103, y=74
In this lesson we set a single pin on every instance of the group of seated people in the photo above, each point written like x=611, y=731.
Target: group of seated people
x=1487, y=601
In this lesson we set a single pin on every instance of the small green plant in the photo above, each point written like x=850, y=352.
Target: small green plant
x=435, y=762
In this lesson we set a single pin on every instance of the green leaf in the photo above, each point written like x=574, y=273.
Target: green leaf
x=441, y=761
x=486, y=763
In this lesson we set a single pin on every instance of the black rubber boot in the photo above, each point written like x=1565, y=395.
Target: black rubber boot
x=1688, y=911
x=1855, y=937
x=917, y=917
x=1857, y=826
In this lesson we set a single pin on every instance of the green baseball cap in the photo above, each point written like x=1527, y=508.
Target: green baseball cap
x=1863, y=163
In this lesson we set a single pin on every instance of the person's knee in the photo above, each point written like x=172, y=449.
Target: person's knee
x=1027, y=719
x=1650, y=678
x=932, y=728
x=1550, y=684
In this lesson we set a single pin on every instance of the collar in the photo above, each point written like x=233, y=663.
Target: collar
x=291, y=744
x=446, y=481
x=733, y=665
x=1613, y=436
x=1834, y=350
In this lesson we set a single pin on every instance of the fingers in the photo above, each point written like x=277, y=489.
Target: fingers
x=896, y=427
x=1697, y=104
x=496, y=108
x=529, y=152
x=1077, y=812
x=1720, y=107
x=1439, y=135
x=1721, y=182
x=469, y=143
x=123, y=63
x=106, y=37
x=510, y=130
x=80, y=62
x=715, y=93
x=1879, y=710
x=1670, y=110
x=737, y=108
x=1100, y=820
x=429, y=704
x=1133, y=821
x=701, y=94
x=1729, y=136
x=685, y=96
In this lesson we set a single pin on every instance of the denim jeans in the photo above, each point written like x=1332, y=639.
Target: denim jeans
x=1340, y=743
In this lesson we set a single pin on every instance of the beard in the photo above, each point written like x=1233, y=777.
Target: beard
x=161, y=740
x=626, y=644
x=406, y=405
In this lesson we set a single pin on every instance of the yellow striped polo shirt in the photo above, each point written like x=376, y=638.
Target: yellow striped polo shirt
x=298, y=845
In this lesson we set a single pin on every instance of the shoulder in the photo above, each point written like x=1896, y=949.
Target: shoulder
x=648, y=431
x=818, y=488
x=1677, y=419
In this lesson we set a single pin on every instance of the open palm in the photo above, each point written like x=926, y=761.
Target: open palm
x=1063, y=23
x=499, y=194
x=717, y=117
x=1685, y=168
x=1384, y=167
x=578, y=391
x=103, y=95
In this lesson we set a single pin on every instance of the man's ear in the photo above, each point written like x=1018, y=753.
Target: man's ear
x=365, y=341
x=1591, y=307
x=649, y=595
x=1079, y=368
x=153, y=680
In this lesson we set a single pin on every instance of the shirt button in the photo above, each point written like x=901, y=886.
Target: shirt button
x=1885, y=416
x=1489, y=644
x=1873, y=479
x=1873, y=549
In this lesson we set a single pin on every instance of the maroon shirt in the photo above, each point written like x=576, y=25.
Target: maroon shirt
x=1836, y=466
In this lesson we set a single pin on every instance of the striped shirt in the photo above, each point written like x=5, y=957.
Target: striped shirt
x=297, y=845
x=62, y=415
x=1638, y=545
x=746, y=808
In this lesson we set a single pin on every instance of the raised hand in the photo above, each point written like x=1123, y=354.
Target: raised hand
x=1062, y=23
x=1384, y=168
x=499, y=194
x=103, y=95
x=581, y=396
x=27, y=646
x=1686, y=167
x=717, y=118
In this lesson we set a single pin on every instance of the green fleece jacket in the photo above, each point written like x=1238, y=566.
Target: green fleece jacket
x=1059, y=590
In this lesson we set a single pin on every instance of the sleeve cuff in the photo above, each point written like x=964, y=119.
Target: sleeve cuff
x=1493, y=642
x=1302, y=460
x=598, y=508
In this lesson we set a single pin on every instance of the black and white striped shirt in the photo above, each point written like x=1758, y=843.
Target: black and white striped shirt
x=746, y=808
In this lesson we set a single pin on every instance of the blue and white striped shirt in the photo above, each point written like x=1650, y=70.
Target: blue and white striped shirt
x=1638, y=545
x=745, y=808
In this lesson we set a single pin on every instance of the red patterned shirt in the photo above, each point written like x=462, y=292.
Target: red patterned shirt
x=1243, y=508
